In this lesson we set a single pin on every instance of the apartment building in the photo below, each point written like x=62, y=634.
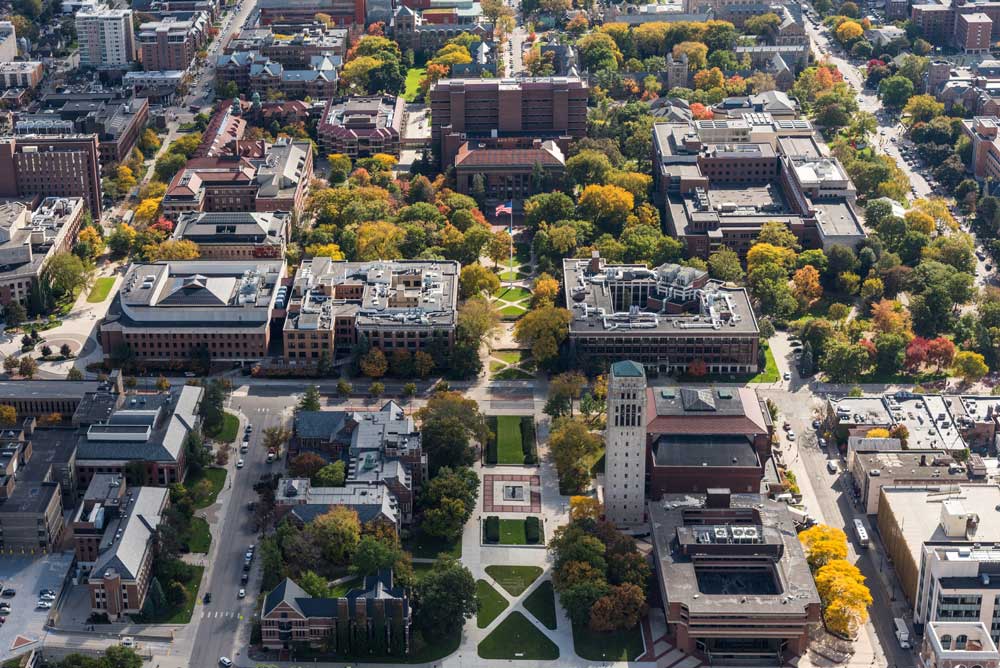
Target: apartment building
x=720, y=180
x=362, y=126
x=235, y=236
x=106, y=37
x=374, y=617
x=172, y=42
x=117, y=121
x=733, y=578
x=29, y=238
x=120, y=576
x=466, y=110
x=21, y=74
x=52, y=166
x=664, y=318
x=8, y=42
x=166, y=311
x=397, y=305
x=969, y=26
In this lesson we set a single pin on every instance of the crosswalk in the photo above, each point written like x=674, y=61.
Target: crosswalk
x=221, y=614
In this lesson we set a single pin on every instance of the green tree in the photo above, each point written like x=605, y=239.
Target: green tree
x=895, y=90
x=331, y=475
x=310, y=400
x=66, y=273
x=445, y=599
x=724, y=264
x=543, y=330
x=313, y=584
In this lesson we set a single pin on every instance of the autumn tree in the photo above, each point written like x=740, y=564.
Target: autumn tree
x=806, y=286
x=8, y=415
x=620, y=609
x=571, y=443
x=585, y=507
x=476, y=279
x=306, y=465
x=970, y=366
x=498, y=247
x=543, y=330
x=823, y=544
x=544, y=291
x=373, y=363
x=335, y=533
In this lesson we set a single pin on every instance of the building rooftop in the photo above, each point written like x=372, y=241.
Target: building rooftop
x=126, y=541
x=374, y=587
x=237, y=227
x=757, y=565
x=28, y=238
x=34, y=486
x=928, y=418
x=699, y=450
x=946, y=640
x=595, y=290
x=706, y=410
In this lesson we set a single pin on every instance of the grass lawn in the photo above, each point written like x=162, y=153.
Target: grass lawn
x=182, y=614
x=617, y=646
x=517, y=638
x=508, y=356
x=513, y=311
x=421, y=651
x=420, y=569
x=512, y=532
x=512, y=294
x=770, y=372
x=102, y=287
x=515, y=579
x=227, y=432
x=497, y=366
x=491, y=603
x=513, y=374
x=214, y=475
x=422, y=545
x=542, y=604
x=413, y=77
x=199, y=539
x=511, y=275
x=346, y=586
x=509, y=440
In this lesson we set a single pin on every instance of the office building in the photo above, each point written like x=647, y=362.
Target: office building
x=406, y=305
x=172, y=43
x=346, y=13
x=168, y=312
x=625, y=443
x=106, y=38
x=941, y=540
x=734, y=582
x=45, y=397
x=372, y=618
x=467, y=110
x=666, y=318
x=873, y=470
x=235, y=236
x=509, y=170
x=29, y=238
x=21, y=74
x=928, y=418
x=103, y=500
x=702, y=437
x=252, y=72
x=360, y=127
x=117, y=121
x=52, y=166
x=120, y=576
x=292, y=46
x=954, y=644
x=967, y=26
x=720, y=180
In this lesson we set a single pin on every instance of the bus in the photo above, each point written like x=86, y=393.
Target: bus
x=861, y=533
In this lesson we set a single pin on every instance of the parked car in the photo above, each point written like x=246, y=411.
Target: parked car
x=47, y=597
x=43, y=605
x=242, y=594
x=224, y=661
x=43, y=592
x=10, y=591
x=239, y=464
x=791, y=435
x=816, y=424
x=207, y=598
x=831, y=466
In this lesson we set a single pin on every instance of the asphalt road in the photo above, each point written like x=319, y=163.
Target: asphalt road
x=223, y=626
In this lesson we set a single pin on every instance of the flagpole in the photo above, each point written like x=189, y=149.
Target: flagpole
x=510, y=233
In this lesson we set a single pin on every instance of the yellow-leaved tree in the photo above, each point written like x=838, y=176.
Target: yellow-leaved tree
x=823, y=544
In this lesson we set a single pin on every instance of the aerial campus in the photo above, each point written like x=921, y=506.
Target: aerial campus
x=485, y=333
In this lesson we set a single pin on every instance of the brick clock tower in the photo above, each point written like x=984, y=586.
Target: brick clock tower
x=625, y=446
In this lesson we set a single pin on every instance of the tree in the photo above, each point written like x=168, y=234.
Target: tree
x=448, y=422
x=970, y=366
x=314, y=584
x=587, y=167
x=848, y=32
x=606, y=206
x=476, y=279
x=14, y=314
x=941, y=352
x=306, y=465
x=310, y=399
x=544, y=291
x=65, y=273
x=335, y=533
x=119, y=657
x=10, y=364
x=843, y=361
x=922, y=109
x=895, y=90
x=498, y=247
x=373, y=555
x=373, y=363
x=585, y=507
x=331, y=475
x=620, y=609
x=74, y=374
x=724, y=264
x=331, y=251
x=376, y=389
x=543, y=330
x=696, y=52
x=564, y=389
x=444, y=599
x=823, y=544
x=806, y=285
x=8, y=416
x=571, y=443
x=27, y=367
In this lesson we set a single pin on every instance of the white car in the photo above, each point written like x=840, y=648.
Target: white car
x=242, y=594
x=224, y=661
x=791, y=435
x=46, y=597
x=43, y=605
x=239, y=464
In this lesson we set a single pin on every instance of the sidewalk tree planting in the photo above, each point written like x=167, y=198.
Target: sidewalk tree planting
x=840, y=584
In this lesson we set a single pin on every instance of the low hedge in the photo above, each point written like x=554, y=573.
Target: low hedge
x=492, y=529
x=532, y=530
x=491, y=452
x=528, y=440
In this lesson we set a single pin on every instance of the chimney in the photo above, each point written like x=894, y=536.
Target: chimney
x=717, y=497
x=595, y=262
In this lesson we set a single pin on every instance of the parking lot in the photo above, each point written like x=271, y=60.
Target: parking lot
x=27, y=575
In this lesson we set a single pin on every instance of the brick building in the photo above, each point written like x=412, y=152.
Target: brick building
x=506, y=110
x=172, y=42
x=52, y=166
x=509, y=172
x=665, y=318
x=362, y=126
x=21, y=74
x=167, y=311
x=235, y=236
x=346, y=13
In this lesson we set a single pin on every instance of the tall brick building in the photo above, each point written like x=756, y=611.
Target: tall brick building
x=507, y=111
x=172, y=43
x=52, y=166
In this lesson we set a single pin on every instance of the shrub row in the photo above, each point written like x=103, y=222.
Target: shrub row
x=491, y=452
x=528, y=440
x=492, y=529
x=532, y=530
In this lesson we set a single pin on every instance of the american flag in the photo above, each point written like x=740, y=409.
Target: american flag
x=506, y=207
